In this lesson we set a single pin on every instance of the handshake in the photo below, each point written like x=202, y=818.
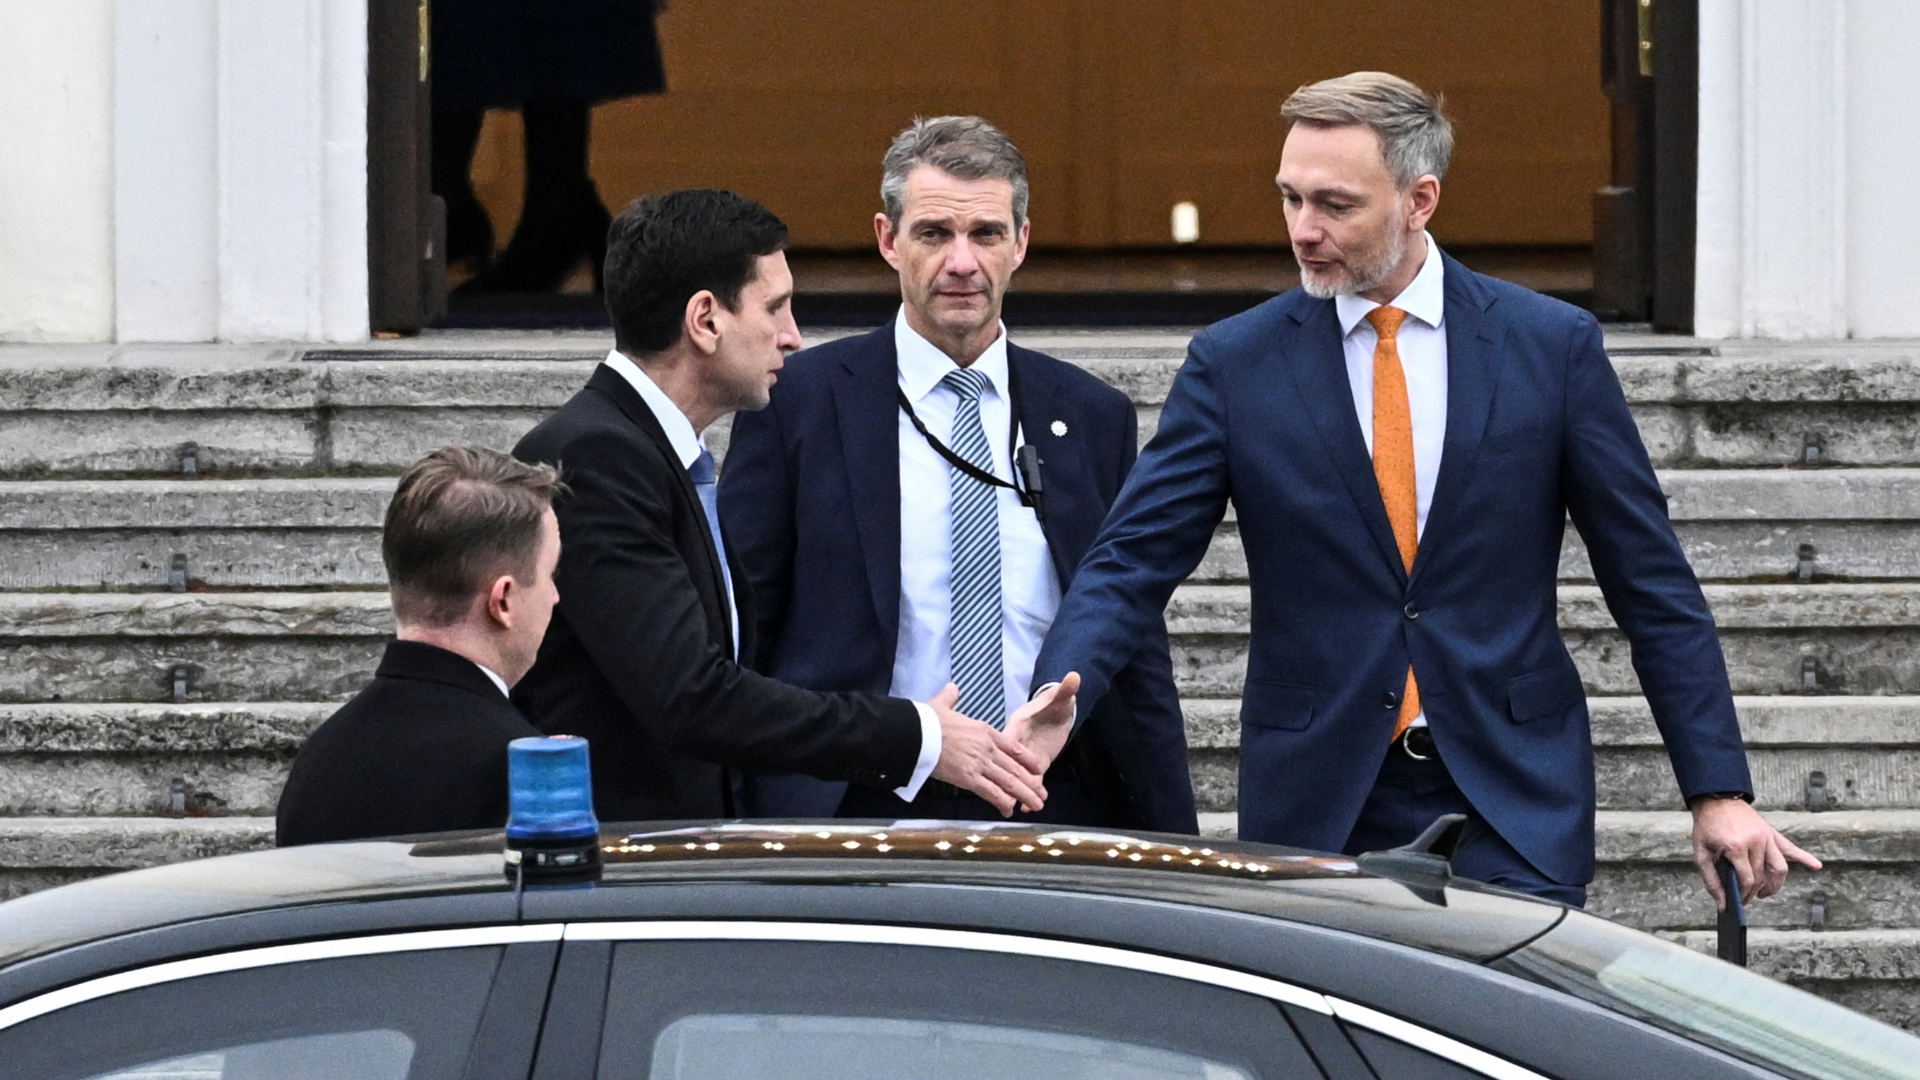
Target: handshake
x=1005, y=767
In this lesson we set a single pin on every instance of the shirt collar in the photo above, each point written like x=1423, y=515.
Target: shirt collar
x=923, y=365
x=495, y=676
x=687, y=443
x=1425, y=298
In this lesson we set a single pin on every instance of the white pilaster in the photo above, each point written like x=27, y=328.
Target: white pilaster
x=1773, y=192
x=1883, y=164
x=166, y=226
x=240, y=187
x=56, y=170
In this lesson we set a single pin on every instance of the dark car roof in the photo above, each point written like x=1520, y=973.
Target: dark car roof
x=1468, y=921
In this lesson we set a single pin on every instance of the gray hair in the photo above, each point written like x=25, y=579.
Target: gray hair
x=963, y=147
x=1415, y=137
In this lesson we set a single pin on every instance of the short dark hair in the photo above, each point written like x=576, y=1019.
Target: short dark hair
x=665, y=248
x=461, y=517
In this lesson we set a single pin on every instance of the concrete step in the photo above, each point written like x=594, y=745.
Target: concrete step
x=122, y=760
x=1779, y=639
x=232, y=757
x=324, y=532
x=42, y=852
x=1864, y=750
x=1876, y=972
x=1646, y=877
x=105, y=410
x=228, y=646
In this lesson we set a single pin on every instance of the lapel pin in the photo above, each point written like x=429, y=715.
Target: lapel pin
x=1059, y=428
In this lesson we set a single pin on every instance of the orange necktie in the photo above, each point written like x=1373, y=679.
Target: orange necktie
x=1393, y=462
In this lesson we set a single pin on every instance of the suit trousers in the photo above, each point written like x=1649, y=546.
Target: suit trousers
x=1410, y=793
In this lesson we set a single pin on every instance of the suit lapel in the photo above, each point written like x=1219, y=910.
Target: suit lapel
x=864, y=396
x=1319, y=365
x=1038, y=403
x=611, y=383
x=1473, y=376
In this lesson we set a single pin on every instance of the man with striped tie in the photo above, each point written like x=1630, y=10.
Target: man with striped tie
x=910, y=504
x=642, y=654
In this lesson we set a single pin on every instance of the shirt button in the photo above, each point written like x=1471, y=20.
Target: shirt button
x=1390, y=699
x=1410, y=611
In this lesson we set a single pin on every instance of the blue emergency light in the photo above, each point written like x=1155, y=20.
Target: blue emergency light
x=551, y=831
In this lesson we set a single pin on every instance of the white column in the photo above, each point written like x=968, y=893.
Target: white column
x=292, y=170
x=166, y=192
x=56, y=170
x=1772, y=246
x=1883, y=165
x=1809, y=147
x=241, y=187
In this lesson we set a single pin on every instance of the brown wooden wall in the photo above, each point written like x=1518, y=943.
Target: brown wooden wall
x=1123, y=108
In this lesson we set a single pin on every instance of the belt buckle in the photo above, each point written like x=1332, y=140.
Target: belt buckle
x=1406, y=744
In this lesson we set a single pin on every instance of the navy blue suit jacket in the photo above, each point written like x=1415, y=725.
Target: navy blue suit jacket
x=810, y=503
x=1537, y=430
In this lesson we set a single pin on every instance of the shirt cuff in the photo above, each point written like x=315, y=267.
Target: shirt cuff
x=929, y=752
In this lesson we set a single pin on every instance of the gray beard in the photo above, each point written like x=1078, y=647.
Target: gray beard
x=1359, y=279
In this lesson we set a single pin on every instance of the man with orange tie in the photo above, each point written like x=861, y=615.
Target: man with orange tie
x=1404, y=441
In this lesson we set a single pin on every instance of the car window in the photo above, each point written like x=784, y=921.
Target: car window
x=718, y=1010
x=1705, y=999
x=362, y=1055
x=1392, y=1059
x=398, y=1016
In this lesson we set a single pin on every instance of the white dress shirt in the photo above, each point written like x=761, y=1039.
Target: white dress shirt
x=494, y=677
x=1423, y=357
x=687, y=445
x=1029, y=588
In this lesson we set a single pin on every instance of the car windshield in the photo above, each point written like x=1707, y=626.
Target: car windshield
x=1704, y=998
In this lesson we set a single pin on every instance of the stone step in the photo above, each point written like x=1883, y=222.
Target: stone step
x=1865, y=750
x=42, y=852
x=324, y=532
x=276, y=410
x=1779, y=639
x=232, y=757
x=1646, y=877
x=1876, y=972
x=75, y=760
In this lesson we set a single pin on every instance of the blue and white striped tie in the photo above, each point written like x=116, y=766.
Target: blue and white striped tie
x=975, y=625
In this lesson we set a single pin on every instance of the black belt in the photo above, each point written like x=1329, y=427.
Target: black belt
x=1417, y=743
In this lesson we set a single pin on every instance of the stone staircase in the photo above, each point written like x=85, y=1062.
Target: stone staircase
x=190, y=581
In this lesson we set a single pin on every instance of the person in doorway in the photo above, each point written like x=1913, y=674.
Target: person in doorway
x=1404, y=441
x=893, y=543
x=643, y=655
x=554, y=63
x=470, y=544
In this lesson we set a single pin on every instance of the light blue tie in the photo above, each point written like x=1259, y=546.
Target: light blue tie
x=975, y=626
x=704, y=483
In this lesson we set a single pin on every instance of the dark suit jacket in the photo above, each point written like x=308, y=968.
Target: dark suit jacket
x=810, y=497
x=1537, y=430
x=639, y=656
x=422, y=749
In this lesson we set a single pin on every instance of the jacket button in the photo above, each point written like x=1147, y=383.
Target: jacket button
x=1410, y=611
x=1390, y=699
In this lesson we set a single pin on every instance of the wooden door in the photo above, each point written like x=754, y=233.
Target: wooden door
x=1123, y=108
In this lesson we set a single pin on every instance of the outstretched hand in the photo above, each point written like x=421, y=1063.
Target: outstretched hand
x=1045, y=723
x=1729, y=828
x=991, y=764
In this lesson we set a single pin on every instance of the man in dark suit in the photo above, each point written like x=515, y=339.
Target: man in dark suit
x=470, y=546
x=1404, y=440
x=851, y=525
x=641, y=656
